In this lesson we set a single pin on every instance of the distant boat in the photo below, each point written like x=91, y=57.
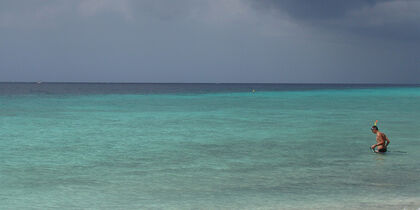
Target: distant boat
x=39, y=82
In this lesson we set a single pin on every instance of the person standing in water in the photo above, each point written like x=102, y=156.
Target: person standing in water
x=380, y=140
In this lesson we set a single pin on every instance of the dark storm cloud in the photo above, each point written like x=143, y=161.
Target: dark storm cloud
x=391, y=19
x=318, y=9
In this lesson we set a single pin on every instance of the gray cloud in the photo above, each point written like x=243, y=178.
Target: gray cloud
x=393, y=19
x=209, y=41
x=319, y=9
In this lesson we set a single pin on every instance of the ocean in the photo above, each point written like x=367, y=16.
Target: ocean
x=207, y=146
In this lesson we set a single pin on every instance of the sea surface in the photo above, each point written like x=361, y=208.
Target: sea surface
x=207, y=146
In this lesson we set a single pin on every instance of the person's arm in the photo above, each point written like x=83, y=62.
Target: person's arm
x=373, y=147
x=387, y=140
x=381, y=142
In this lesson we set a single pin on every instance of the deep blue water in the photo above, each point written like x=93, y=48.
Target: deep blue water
x=168, y=88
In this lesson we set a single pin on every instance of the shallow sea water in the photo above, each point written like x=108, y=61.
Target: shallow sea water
x=178, y=146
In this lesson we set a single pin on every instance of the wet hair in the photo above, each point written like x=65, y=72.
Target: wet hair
x=375, y=128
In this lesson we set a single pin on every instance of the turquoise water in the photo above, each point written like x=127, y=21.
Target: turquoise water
x=283, y=149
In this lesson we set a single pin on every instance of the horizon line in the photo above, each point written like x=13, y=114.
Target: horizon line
x=277, y=83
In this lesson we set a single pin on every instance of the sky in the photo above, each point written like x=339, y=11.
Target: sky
x=239, y=41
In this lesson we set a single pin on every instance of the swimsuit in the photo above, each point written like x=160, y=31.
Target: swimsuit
x=382, y=150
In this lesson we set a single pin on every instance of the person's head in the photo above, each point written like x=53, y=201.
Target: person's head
x=374, y=129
